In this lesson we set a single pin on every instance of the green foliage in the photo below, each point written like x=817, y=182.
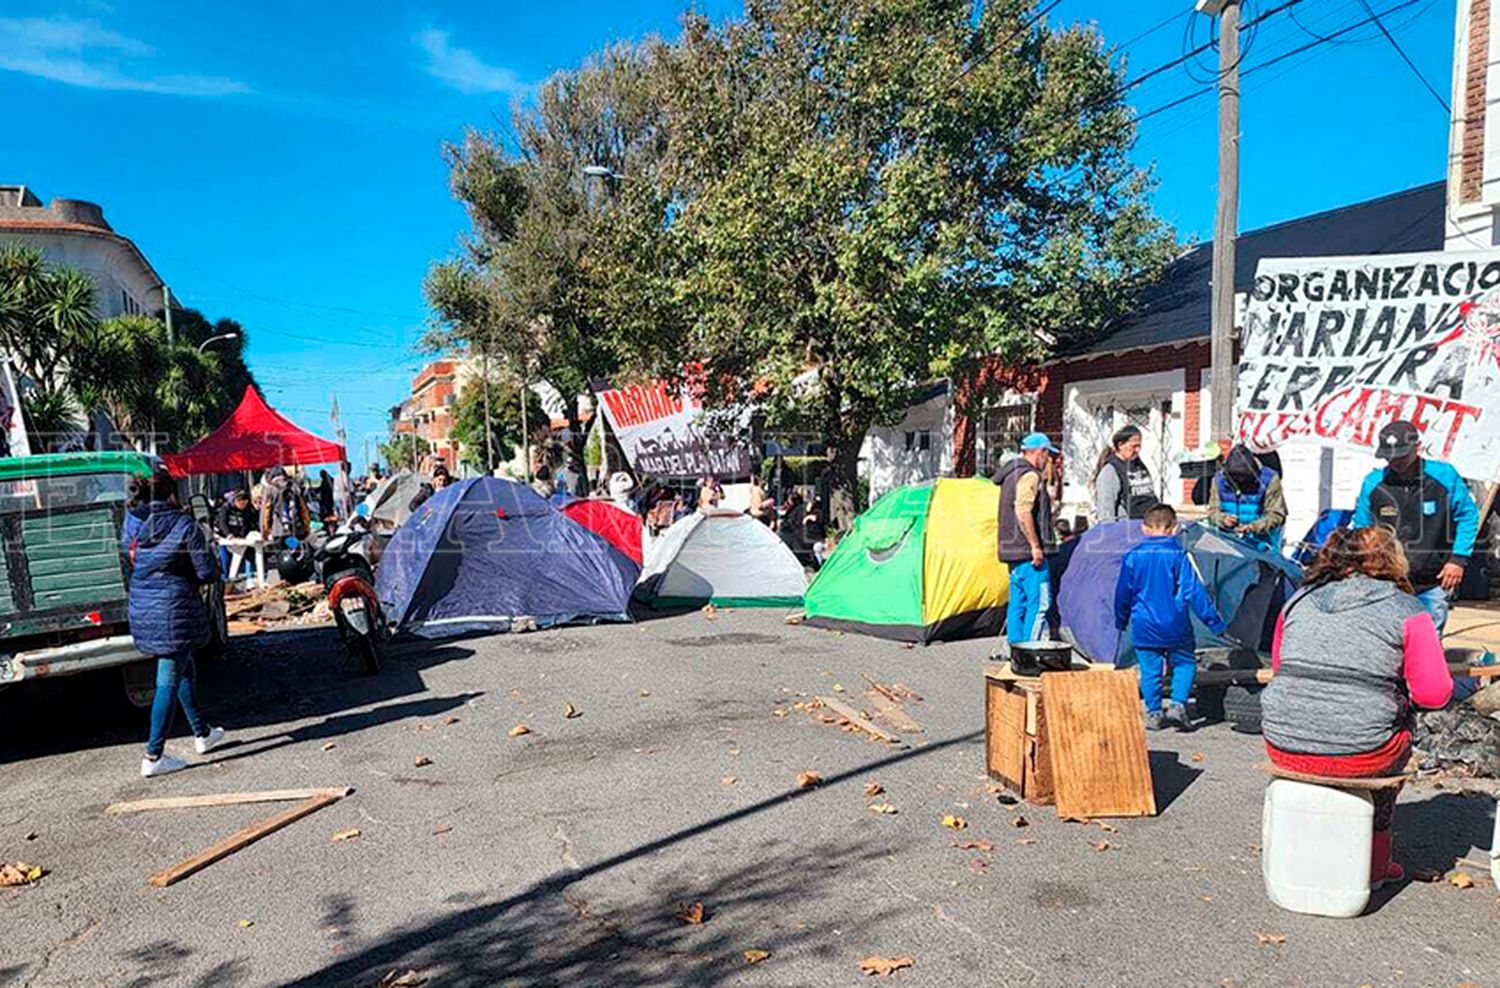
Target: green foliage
x=405, y=451
x=77, y=364
x=504, y=419
x=821, y=206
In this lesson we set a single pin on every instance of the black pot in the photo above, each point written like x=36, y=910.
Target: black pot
x=1036, y=657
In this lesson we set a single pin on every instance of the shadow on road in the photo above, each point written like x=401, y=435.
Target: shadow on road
x=523, y=940
x=1432, y=834
x=266, y=680
x=1170, y=777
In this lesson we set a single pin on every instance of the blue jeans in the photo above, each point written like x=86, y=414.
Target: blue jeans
x=175, y=677
x=1153, y=662
x=1030, y=599
x=1436, y=602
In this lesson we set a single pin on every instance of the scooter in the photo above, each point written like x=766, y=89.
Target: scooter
x=343, y=566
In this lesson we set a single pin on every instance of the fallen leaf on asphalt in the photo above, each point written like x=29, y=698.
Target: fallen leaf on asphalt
x=1196, y=756
x=883, y=966
x=1270, y=939
x=408, y=979
x=570, y=711
x=645, y=693
x=778, y=712
x=728, y=780
x=1019, y=821
x=1102, y=845
x=1025, y=840
x=31, y=836
x=1461, y=880
x=450, y=720
x=806, y=780
x=710, y=611
x=954, y=822
x=974, y=845
x=873, y=789
x=514, y=694
x=1076, y=819
x=20, y=873
x=754, y=956
x=421, y=760
x=329, y=745
x=691, y=914
x=1108, y=828
x=245, y=924
x=347, y=834
x=978, y=864
x=885, y=808
x=424, y=727
x=444, y=829
x=518, y=730
x=837, y=688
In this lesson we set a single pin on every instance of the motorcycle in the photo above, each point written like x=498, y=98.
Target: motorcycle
x=343, y=565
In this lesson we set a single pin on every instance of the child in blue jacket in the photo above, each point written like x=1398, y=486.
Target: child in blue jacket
x=1157, y=586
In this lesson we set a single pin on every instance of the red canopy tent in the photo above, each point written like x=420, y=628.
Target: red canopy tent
x=255, y=437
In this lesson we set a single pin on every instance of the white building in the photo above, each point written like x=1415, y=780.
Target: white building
x=73, y=233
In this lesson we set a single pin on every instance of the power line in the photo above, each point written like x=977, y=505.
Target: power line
x=986, y=55
x=1279, y=58
x=1154, y=28
x=1407, y=58
x=1211, y=43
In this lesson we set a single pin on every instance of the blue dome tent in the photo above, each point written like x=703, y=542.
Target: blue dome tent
x=480, y=554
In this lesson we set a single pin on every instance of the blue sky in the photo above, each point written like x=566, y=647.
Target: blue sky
x=279, y=162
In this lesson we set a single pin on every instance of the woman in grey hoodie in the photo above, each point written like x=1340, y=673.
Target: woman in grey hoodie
x=1353, y=652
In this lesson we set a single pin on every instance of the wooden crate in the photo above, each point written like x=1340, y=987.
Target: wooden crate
x=1016, y=749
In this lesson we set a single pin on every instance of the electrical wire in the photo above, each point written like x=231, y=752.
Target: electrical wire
x=989, y=52
x=1407, y=59
x=1287, y=5
x=1272, y=61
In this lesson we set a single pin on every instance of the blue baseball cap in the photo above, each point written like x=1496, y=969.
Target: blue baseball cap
x=1038, y=440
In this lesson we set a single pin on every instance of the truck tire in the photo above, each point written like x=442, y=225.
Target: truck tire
x=1242, y=708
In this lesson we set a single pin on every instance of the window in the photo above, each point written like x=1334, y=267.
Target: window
x=1001, y=429
x=924, y=440
x=910, y=441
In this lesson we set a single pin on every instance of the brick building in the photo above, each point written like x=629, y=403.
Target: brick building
x=429, y=412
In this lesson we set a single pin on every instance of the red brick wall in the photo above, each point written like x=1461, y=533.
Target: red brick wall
x=1471, y=166
x=1049, y=383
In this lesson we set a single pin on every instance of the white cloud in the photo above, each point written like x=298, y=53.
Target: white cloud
x=462, y=69
x=84, y=53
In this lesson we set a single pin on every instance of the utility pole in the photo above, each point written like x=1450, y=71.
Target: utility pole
x=489, y=449
x=1226, y=217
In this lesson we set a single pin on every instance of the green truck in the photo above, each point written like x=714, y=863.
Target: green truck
x=63, y=576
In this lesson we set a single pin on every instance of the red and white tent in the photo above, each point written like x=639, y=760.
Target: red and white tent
x=255, y=437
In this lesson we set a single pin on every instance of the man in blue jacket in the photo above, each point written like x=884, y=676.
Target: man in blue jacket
x=1156, y=589
x=1428, y=506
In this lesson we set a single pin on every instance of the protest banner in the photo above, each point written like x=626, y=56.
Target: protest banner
x=659, y=425
x=1334, y=348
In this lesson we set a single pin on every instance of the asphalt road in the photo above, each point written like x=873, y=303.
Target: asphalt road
x=560, y=857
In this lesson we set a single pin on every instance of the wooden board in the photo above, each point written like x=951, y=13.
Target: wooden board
x=1368, y=782
x=1098, y=744
x=892, y=713
x=858, y=720
x=245, y=837
x=1223, y=677
x=1005, y=735
x=222, y=799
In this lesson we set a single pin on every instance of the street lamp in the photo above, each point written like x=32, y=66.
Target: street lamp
x=215, y=339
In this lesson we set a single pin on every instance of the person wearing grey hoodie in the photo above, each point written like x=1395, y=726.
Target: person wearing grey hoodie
x=1353, y=652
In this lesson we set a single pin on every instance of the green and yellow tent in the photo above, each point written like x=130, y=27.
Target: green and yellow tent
x=918, y=566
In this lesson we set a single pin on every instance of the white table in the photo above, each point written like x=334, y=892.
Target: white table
x=237, y=550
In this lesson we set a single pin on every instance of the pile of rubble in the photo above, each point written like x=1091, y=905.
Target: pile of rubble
x=280, y=605
x=1464, y=737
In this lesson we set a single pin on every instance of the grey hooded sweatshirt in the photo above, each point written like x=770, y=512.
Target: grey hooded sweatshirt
x=1340, y=688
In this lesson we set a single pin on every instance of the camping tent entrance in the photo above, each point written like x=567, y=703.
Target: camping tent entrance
x=727, y=560
x=918, y=566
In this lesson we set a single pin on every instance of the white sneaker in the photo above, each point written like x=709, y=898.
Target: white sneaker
x=213, y=740
x=165, y=765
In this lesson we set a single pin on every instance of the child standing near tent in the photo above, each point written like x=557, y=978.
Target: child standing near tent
x=1156, y=589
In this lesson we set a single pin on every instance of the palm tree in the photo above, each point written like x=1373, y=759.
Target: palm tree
x=46, y=317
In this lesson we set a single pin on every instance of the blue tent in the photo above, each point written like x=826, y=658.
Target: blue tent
x=1247, y=585
x=483, y=552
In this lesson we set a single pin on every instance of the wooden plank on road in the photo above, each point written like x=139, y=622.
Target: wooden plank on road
x=233, y=843
x=223, y=799
x=858, y=720
x=1098, y=740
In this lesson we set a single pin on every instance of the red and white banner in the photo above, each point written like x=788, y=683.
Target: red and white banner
x=1336, y=347
x=659, y=426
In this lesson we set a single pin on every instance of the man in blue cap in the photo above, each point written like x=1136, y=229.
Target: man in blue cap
x=1026, y=538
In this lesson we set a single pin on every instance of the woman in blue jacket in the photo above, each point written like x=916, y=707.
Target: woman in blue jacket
x=170, y=559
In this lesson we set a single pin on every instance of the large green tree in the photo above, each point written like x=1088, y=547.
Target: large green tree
x=819, y=206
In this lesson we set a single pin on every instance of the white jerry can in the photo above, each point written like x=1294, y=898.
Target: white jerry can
x=1495, y=848
x=1315, y=848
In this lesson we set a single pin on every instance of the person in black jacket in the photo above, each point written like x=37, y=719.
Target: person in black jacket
x=170, y=559
x=236, y=518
